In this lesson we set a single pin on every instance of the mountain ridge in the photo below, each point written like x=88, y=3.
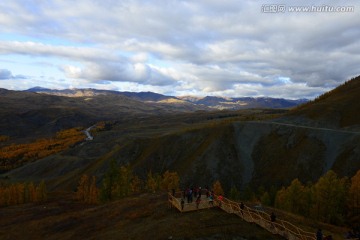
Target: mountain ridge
x=243, y=148
x=212, y=102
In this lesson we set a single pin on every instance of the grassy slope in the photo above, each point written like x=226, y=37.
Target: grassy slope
x=340, y=107
x=146, y=216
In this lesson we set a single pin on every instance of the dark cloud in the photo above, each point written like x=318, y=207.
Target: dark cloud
x=6, y=75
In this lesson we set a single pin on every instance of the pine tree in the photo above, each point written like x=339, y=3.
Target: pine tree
x=109, y=183
x=234, y=193
x=151, y=184
x=124, y=181
x=265, y=199
x=248, y=194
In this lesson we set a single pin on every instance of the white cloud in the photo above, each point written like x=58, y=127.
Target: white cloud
x=218, y=47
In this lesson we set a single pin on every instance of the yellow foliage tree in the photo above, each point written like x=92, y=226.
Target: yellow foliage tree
x=217, y=188
x=329, y=195
x=15, y=155
x=87, y=190
x=136, y=184
x=354, y=195
x=41, y=192
x=93, y=191
x=170, y=181
x=82, y=191
x=20, y=193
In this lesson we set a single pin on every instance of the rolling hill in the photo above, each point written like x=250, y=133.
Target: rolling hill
x=253, y=148
x=243, y=148
x=338, y=108
x=26, y=114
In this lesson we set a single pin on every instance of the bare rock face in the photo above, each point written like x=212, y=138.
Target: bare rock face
x=238, y=154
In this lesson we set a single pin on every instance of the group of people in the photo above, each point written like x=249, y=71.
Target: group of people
x=353, y=234
x=195, y=193
x=319, y=235
x=350, y=235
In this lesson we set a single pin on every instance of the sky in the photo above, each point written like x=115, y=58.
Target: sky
x=232, y=48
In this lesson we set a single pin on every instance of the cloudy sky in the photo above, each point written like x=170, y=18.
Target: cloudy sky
x=180, y=47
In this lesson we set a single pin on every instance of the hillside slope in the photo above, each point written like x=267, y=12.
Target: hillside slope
x=236, y=153
x=145, y=216
x=25, y=114
x=337, y=108
x=226, y=146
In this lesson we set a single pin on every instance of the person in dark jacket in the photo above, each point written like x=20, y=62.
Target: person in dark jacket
x=319, y=234
x=182, y=204
x=242, y=206
x=273, y=217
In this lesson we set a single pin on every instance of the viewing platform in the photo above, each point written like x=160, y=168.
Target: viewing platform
x=248, y=214
x=191, y=206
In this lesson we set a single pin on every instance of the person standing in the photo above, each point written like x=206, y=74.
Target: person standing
x=273, y=217
x=319, y=234
x=220, y=199
x=242, y=206
x=198, y=200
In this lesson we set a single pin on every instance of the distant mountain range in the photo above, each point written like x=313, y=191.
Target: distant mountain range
x=153, y=132
x=206, y=103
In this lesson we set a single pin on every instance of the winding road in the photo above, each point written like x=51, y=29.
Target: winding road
x=89, y=137
x=308, y=127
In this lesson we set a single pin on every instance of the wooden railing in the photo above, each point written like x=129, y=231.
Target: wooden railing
x=261, y=218
x=174, y=201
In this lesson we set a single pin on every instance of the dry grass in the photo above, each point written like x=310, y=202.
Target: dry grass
x=144, y=216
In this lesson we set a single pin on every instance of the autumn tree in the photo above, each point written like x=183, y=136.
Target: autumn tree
x=82, y=190
x=354, y=195
x=294, y=198
x=20, y=193
x=329, y=195
x=93, y=191
x=15, y=155
x=170, y=181
x=32, y=192
x=123, y=181
x=119, y=182
x=136, y=184
x=4, y=138
x=41, y=192
x=87, y=190
x=217, y=188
